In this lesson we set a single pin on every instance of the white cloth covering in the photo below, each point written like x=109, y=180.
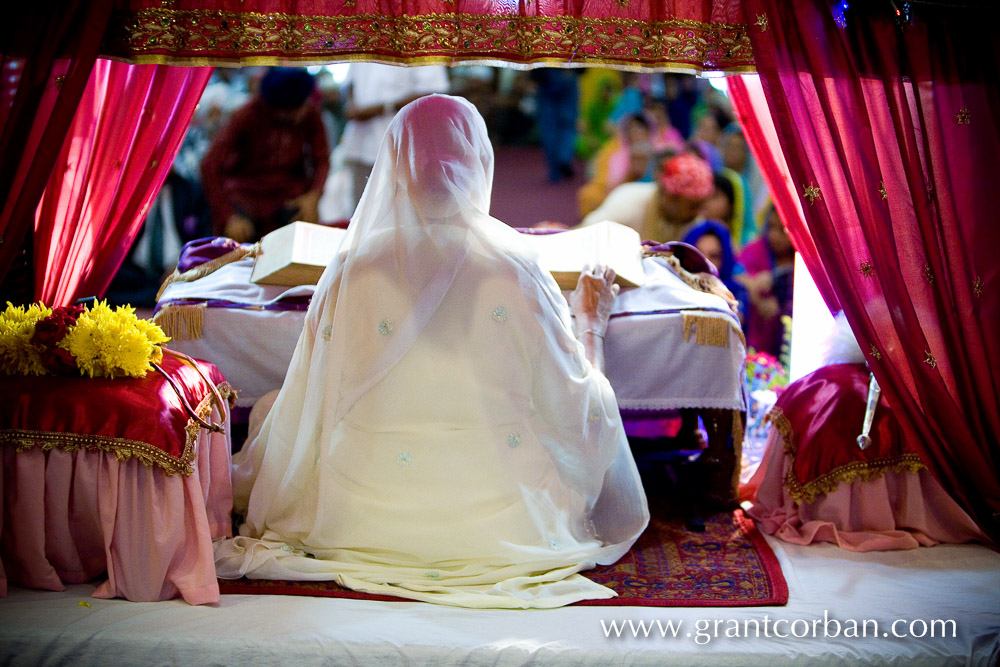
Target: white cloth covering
x=649, y=364
x=440, y=434
x=957, y=582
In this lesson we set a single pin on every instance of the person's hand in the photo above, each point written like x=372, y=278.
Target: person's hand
x=593, y=298
x=307, y=205
x=239, y=228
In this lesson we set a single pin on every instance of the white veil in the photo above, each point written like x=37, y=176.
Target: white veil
x=435, y=337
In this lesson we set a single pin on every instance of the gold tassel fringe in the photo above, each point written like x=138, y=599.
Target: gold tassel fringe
x=181, y=321
x=712, y=331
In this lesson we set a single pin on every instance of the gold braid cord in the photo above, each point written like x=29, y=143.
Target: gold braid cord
x=208, y=267
x=123, y=448
x=856, y=471
x=183, y=321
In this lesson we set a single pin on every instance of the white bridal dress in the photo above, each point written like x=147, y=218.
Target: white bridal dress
x=440, y=435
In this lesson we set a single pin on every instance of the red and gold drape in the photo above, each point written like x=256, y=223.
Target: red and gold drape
x=888, y=126
x=689, y=35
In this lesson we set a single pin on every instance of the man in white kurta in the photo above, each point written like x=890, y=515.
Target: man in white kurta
x=375, y=92
x=441, y=434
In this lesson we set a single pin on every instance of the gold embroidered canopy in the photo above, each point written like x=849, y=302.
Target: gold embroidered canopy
x=682, y=35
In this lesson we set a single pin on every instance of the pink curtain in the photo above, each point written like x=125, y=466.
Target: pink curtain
x=750, y=106
x=888, y=125
x=124, y=137
x=45, y=59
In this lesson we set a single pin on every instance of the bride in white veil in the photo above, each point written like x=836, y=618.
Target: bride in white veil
x=440, y=434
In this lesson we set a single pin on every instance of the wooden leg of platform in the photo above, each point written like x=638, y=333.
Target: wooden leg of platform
x=718, y=462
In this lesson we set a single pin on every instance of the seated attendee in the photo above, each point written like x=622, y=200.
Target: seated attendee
x=720, y=205
x=624, y=158
x=662, y=210
x=266, y=167
x=752, y=194
x=817, y=484
x=712, y=239
x=443, y=433
x=768, y=262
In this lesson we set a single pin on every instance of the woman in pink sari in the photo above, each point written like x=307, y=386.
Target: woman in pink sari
x=768, y=263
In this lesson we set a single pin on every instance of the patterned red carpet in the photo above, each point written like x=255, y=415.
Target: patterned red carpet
x=728, y=565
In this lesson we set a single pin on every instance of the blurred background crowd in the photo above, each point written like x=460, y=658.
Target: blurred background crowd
x=660, y=152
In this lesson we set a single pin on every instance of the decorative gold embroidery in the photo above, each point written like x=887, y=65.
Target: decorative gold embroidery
x=762, y=22
x=209, y=267
x=404, y=459
x=963, y=117
x=810, y=192
x=876, y=355
x=866, y=269
x=856, y=471
x=123, y=448
x=708, y=330
x=977, y=287
x=928, y=274
x=929, y=359
x=207, y=37
x=882, y=191
x=500, y=314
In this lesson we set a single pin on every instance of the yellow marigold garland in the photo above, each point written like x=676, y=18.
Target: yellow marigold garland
x=104, y=342
x=17, y=325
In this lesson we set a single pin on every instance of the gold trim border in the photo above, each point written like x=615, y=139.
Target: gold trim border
x=850, y=472
x=123, y=448
x=228, y=38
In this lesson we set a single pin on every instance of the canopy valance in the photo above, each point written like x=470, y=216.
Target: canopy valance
x=683, y=35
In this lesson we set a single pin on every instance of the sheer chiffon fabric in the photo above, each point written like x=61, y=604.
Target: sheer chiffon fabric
x=439, y=435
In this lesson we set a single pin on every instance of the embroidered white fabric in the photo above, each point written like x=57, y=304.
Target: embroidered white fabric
x=386, y=461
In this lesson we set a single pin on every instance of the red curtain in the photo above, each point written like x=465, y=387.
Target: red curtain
x=692, y=35
x=123, y=139
x=46, y=54
x=750, y=106
x=888, y=125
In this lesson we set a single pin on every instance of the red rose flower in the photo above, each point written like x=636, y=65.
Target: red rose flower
x=51, y=330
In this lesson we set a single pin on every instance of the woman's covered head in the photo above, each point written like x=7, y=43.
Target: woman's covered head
x=443, y=158
x=713, y=240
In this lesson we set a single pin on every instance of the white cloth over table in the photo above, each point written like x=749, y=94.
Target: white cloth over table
x=649, y=364
x=440, y=434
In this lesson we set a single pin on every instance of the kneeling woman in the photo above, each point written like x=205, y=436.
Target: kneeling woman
x=442, y=434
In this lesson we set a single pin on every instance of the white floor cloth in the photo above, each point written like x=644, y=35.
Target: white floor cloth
x=947, y=582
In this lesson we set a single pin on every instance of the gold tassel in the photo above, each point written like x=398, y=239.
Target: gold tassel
x=181, y=322
x=209, y=267
x=713, y=331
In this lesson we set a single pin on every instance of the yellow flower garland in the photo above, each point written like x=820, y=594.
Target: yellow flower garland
x=105, y=342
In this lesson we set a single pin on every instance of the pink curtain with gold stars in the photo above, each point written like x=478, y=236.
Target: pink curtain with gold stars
x=888, y=124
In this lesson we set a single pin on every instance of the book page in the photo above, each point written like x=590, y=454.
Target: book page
x=610, y=244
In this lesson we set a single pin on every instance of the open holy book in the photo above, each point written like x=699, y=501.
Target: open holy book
x=297, y=254
x=607, y=243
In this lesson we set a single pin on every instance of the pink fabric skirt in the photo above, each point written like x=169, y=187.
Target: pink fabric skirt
x=69, y=517
x=898, y=510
